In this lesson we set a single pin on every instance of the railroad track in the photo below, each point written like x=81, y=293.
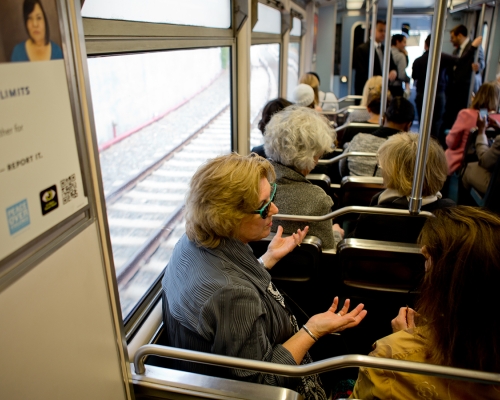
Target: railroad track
x=144, y=214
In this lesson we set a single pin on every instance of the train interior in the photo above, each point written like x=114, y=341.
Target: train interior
x=154, y=90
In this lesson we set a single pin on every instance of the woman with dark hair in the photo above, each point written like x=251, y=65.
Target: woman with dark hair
x=456, y=324
x=271, y=108
x=38, y=47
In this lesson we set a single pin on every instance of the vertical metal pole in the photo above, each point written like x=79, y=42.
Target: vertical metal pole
x=387, y=55
x=367, y=21
x=476, y=56
x=372, y=41
x=429, y=96
x=335, y=7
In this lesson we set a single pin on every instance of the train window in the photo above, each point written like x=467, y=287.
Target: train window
x=269, y=20
x=207, y=13
x=264, y=83
x=293, y=67
x=296, y=27
x=156, y=120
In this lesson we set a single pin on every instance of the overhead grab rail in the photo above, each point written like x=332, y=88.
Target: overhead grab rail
x=345, y=155
x=352, y=360
x=348, y=210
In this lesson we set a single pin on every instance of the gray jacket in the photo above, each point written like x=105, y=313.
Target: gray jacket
x=297, y=196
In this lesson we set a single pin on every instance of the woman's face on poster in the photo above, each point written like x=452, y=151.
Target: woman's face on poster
x=36, y=25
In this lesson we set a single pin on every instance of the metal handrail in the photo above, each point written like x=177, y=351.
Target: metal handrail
x=350, y=209
x=317, y=367
x=351, y=97
x=431, y=82
x=345, y=155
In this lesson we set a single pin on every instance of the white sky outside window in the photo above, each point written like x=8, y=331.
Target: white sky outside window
x=296, y=28
x=207, y=13
x=269, y=20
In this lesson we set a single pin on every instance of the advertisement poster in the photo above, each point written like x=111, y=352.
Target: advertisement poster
x=40, y=171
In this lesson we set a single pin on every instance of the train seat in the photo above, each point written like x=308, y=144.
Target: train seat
x=321, y=180
x=307, y=277
x=359, y=190
x=346, y=132
x=159, y=379
x=301, y=265
x=380, y=267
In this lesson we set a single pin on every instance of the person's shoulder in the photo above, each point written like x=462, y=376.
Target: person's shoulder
x=19, y=53
x=400, y=345
x=56, y=52
x=363, y=46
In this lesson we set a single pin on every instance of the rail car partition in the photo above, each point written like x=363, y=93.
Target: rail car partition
x=330, y=364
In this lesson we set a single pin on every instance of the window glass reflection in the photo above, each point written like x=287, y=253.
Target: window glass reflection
x=296, y=28
x=269, y=20
x=208, y=13
x=293, y=68
x=264, y=83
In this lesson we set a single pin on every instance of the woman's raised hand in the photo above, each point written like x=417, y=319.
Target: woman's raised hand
x=336, y=321
x=404, y=320
x=280, y=246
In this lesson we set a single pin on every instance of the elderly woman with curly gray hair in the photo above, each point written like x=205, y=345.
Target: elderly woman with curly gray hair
x=296, y=138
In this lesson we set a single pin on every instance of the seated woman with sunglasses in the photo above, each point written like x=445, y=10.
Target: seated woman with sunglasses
x=295, y=140
x=218, y=297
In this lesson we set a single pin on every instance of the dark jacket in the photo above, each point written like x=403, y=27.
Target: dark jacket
x=259, y=150
x=394, y=228
x=361, y=62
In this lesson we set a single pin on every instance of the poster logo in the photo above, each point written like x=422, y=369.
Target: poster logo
x=18, y=216
x=48, y=199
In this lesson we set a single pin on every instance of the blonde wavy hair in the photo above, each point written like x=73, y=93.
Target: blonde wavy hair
x=296, y=135
x=222, y=192
x=397, y=158
x=311, y=80
x=372, y=84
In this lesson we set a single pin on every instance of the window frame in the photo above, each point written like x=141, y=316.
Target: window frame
x=104, y=37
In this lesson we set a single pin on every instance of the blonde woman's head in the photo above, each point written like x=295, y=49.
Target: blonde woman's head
x=222, y=192
x=397, y=158
x=311, y=80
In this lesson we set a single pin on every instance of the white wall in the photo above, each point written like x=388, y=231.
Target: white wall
x=57, y=339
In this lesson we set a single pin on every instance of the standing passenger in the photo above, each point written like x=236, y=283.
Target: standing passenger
x=459, y=78
x=400, y=57
x=361, y=59
x=419, y=74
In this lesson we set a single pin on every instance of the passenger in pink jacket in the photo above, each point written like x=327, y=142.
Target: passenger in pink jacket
x=487, y=97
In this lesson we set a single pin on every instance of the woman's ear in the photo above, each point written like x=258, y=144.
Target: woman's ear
x=428, y=261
